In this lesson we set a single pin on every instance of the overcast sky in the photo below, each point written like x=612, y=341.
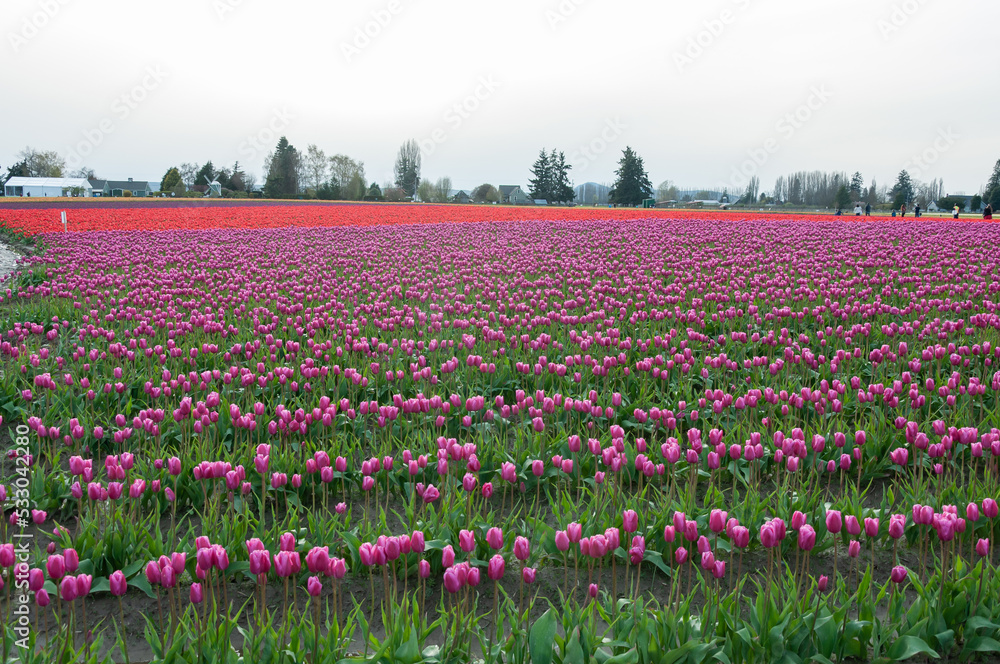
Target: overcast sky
x=704, y=91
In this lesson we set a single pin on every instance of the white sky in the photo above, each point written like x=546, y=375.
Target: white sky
x=898, y=79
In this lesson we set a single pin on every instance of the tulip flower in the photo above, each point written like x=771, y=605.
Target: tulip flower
x=807, y=538
x=496, y=567
x=522, y=548
x=630, y=521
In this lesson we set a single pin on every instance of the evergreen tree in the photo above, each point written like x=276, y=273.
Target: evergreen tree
x=843, y=197
x=206, y=174
x=18, y=170
x=407, y=169
x=991, y=194
x=171, y=179
x=282, y=167
x=541, y=185
x=632, y=184
x=902, y=192
x=857, y=185
x=562, y=190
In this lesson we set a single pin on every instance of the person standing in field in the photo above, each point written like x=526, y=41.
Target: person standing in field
x=954, y=212
x=902, y=210
x=916, y=210
x=857, y=210
x=988, y=211
x=868, y=209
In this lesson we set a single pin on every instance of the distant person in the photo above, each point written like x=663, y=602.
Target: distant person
x=868, y=209
x=857, y=210
x=916, y=210
x=902, y=210
x=893, y=212
x=988, y=211
x=954, y=212
x=837, y=213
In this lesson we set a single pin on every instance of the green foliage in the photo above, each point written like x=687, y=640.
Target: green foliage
x=282, y=169
x=171, y=179
x=632, y=184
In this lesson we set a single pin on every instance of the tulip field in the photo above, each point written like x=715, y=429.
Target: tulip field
x=410, y=434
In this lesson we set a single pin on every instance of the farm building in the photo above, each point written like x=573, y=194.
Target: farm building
x=512, y=193
x=139, y=188
x=47, y=187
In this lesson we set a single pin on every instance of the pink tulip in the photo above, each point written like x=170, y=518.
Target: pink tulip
x=522, y=548
x=496, y=567
x=467, y=541
x=630, y=521
x=807, y=538
x=834, y=521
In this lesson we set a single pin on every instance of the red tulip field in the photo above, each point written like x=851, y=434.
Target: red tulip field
x=394, y=433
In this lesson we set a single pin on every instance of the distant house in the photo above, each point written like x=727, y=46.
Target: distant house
x=968, y=202
x=47, y=187
x=139, y=188
x=461, y=197
x=514, y=195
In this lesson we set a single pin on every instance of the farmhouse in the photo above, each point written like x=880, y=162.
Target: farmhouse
x=139, y=188
x=513, y=194
x=47, y=187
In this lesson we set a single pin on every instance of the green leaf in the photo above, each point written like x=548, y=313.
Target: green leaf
x=142, y=584
x=541, y=637
x=978, y=622
x=573, y=652
x=906, y=647
x=982, y=644
x=631, y=656
x=409, y=652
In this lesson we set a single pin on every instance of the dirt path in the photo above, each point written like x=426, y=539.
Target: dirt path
x=8, y=261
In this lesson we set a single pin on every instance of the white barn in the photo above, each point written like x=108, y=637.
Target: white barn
x=47, y=187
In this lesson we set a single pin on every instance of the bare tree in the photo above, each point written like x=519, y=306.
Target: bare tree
x=316, y=165
x=442, y=189
x=41, y=163
x=349, y=176
x=188, y=173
